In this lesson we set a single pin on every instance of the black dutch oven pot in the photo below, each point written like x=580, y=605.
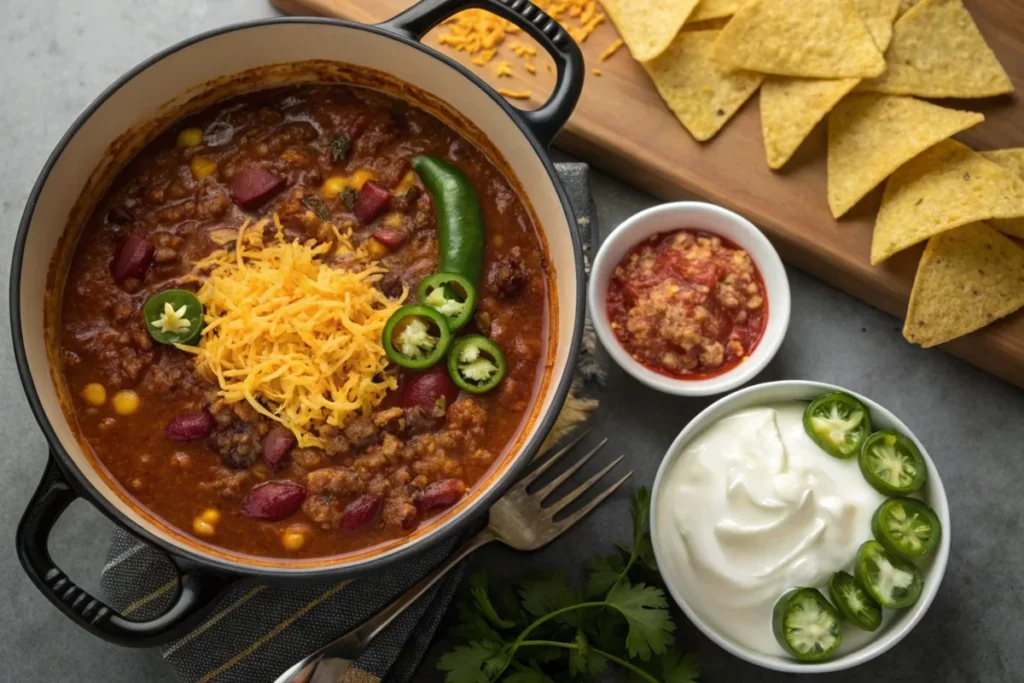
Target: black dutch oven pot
x=150, y=97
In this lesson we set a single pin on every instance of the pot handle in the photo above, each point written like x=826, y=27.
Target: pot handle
x=196, y=592
x=546, y=121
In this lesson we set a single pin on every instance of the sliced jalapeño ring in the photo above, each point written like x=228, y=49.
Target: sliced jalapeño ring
x=450, y=294
x=416, y=337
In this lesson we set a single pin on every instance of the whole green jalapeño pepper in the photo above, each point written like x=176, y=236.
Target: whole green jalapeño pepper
x=416, y=337
x=460, y=222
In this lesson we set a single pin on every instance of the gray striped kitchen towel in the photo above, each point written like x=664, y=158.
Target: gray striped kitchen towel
x=259, y=631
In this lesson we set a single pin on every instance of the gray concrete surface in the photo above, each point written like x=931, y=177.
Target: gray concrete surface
x=58, y=54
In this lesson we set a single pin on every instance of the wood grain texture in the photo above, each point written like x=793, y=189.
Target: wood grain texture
x=622, y=127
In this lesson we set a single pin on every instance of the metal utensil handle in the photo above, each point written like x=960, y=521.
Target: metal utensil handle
x=369, y=629
x=348, y=646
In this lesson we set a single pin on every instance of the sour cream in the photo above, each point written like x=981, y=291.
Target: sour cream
x=752, y=508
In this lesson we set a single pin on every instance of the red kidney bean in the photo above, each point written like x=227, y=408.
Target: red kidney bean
x=390, y=238
x=254, y=185
x=372, y=201
x=441, y=494
x=426, y=387
x=360, y=512
x=189, y=426
x=133, y=258
x=273, y=500
x=276, y=445
x=357, y=128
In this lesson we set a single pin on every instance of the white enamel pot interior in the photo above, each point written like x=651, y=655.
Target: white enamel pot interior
x=162, y=85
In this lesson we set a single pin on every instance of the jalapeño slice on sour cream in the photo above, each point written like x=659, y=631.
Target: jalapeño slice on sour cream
x=892, y=463
x=807, y=625
x=838, y=423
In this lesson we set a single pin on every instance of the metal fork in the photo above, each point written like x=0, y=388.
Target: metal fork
x=519, y=520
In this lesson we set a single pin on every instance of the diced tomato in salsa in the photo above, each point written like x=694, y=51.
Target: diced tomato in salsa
x=687, y=304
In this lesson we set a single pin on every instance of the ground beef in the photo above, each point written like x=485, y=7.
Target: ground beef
x=507, y=276
x=239, y=446
x=335, y=481
x=398, y=510
x=362, y=432
x=226, y=482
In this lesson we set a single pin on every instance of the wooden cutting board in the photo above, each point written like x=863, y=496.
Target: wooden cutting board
x=622, y=127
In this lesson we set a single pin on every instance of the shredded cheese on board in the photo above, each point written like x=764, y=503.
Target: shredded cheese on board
x=481, y=34
x=295, y=337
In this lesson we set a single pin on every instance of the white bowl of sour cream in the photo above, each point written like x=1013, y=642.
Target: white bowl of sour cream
x=746, y=506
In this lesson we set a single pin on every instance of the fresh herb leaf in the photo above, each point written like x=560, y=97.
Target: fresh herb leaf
x=584, y=661
x=349, y=197
x=641, y=500
x=478, y=587
x=546, y=628
x=317, y=207
x=603, y=572
x=476, y=662
x=531, y=674
x=506, y=600
x=679, y=668
x=339, y=147
x=550, y=594
x=646, y=610
x=472, y=625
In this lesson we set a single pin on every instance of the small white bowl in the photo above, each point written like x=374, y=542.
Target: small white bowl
x=709, y=218
x=897, y=623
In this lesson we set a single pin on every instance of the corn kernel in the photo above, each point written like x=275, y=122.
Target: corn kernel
x=407, y=181
x=293, y=540
x=94, y=394
x=333, y=186
x=394, y=220
x=376, y=249
x=126, y=402
x=190, y=137
x=359, y=178
x=202, y=527
x=210, y=515
x=202, y=167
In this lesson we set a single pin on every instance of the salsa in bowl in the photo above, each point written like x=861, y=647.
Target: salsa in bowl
x=689, y=298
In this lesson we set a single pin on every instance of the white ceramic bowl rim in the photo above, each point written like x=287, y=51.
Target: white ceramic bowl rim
x=713, y=219
x=908, y=619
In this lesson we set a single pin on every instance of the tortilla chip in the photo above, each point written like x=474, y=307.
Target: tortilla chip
x=1012, y=160
x=968, y=277
x=702, y=94
x=792, y=107
x=878, y=16
x=809, y=38
x=905, y=6
x=870, y=136
x=649, y=27
x=940, y=189
x=938, y=51
x=714, y=9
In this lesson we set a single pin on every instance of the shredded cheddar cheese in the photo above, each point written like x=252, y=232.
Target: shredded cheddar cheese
x=481, y=35
x=611, y=49
x=295, y=337
x=515, y=94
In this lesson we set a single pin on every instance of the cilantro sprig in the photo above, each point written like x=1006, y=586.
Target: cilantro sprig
x=548, y=630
